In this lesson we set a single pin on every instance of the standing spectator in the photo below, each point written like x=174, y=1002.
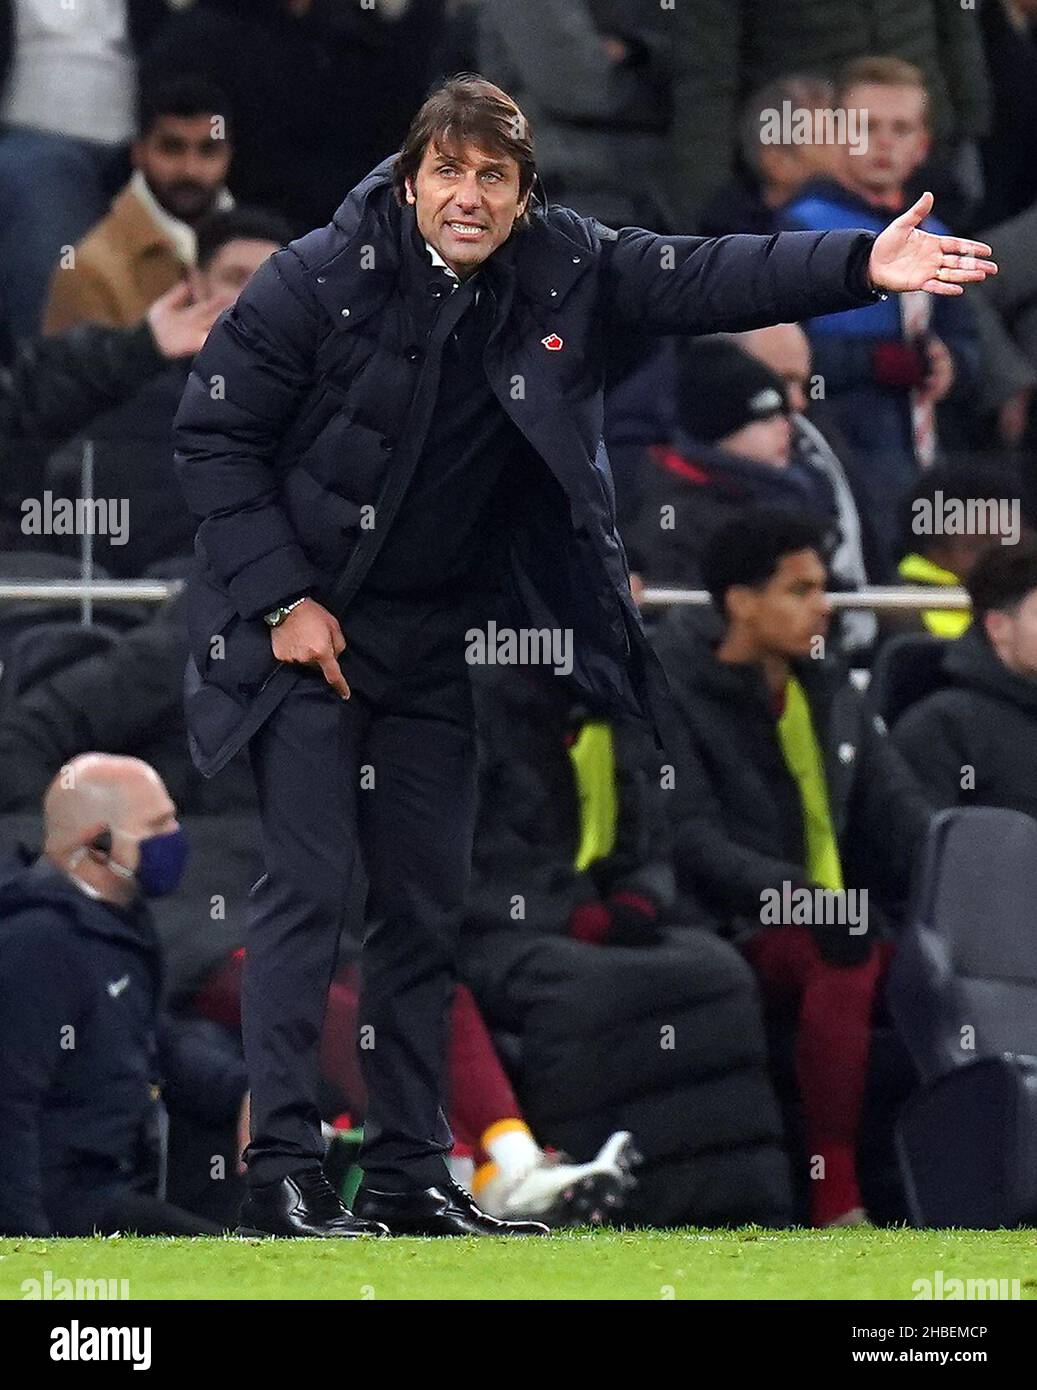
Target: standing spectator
x=67, y=86
x=722, y=50
x=1010, y=150
x=885, y=370
x=148, y=240
x=588, y=75
x=321, y=90
x=782, y=784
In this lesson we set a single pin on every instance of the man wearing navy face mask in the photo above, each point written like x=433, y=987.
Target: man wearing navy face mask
x=84, y=1047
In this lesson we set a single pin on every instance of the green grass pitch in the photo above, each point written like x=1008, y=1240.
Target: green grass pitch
x=860, y=1263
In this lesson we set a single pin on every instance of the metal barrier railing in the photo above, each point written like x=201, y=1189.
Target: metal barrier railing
x=910, y=597
x=913, y=597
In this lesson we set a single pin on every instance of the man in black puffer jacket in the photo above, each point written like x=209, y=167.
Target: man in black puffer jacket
x=83, y=1043
x=612, y=1006
x=395, y=436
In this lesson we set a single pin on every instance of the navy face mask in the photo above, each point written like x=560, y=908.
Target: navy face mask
x=162, y=862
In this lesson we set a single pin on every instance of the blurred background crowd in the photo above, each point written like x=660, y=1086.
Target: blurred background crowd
x=153, y=153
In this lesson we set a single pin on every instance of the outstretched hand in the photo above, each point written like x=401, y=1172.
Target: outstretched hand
x=906, y=258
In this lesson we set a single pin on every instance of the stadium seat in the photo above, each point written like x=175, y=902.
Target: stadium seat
x=39, y=652
x=963, y=992
x=908, y=667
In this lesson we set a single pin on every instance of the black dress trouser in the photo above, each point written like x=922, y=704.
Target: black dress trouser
x=385, y=780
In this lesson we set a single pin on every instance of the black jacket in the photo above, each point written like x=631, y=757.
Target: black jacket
x=736, y=809
x=312, y=397
x=82, y=1043
x=690, y=491
x=980, y=731
x=528, y=825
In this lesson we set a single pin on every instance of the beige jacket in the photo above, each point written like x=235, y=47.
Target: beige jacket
x=119, y=269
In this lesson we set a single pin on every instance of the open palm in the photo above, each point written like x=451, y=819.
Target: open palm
x=906, y=258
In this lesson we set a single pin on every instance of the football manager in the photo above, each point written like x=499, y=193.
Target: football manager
x=393, y=438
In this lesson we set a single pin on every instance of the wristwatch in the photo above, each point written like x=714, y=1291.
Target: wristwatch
x=277, y=615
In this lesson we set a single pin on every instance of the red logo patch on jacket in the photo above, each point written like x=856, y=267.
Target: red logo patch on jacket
x=553, y=343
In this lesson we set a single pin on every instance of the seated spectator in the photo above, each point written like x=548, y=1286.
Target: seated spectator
x=787, y=802
x=778, y=163
x=56, y=386
x=67, y=78
x=950, y=518
x=147, y=242
x=731, y=448
x=974, y=743
x=132, y=451
x=785, y=348
x=614, y=1009
x=83, y=1046
x=887, y=368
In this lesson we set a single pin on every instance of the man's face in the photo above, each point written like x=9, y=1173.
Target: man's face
x=230, y=270
x=765, y=441
x=466, y=203
x=1013, y=636
x=148, y=810
x=784, y=348
x=898, y=139
x=184, y=163
x=783, y=616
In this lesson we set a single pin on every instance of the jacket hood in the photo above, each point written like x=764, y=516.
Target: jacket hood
x=41, y=885
x=971, y=662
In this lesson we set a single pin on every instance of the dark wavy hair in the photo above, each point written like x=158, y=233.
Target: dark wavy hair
x=467, y=108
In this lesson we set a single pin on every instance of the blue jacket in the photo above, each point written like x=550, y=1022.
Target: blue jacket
x=312, y=396
x=83, y=1048
x=873, y=416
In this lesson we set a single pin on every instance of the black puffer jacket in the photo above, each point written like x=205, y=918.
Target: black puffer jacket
x=975, y=743
x=82, y=1044
x=312, y=400
x=528, y=827
x=666, y=1039
x=736, y=810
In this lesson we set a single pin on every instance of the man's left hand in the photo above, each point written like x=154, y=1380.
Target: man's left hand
x=906, y=258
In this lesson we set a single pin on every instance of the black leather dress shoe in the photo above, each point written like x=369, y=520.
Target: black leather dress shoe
x=445, y=1210
x=303, y=1205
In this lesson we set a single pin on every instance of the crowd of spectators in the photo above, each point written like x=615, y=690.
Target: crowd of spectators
x=152, y=156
